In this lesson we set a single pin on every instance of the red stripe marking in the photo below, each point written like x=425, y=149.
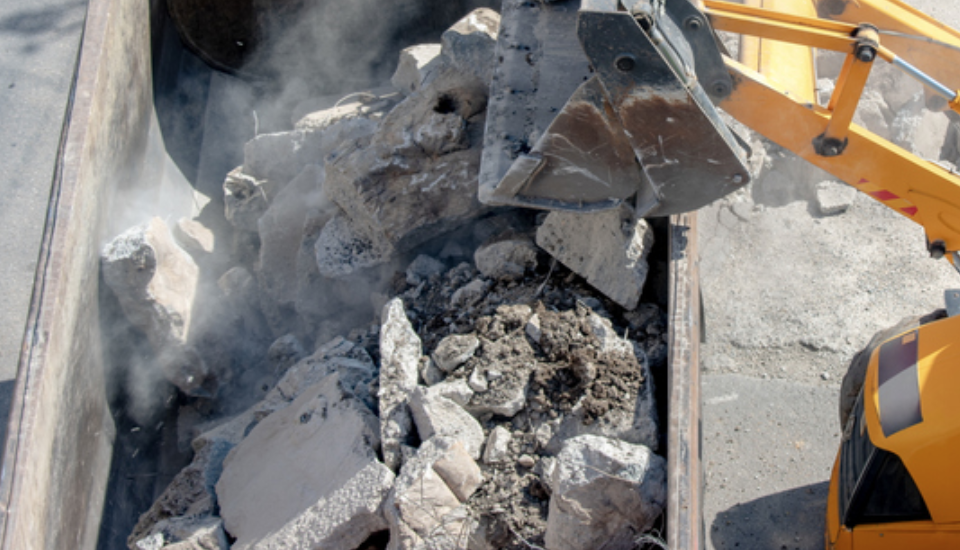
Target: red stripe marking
x=883, y=195
x=862, y=181
x=910, y=211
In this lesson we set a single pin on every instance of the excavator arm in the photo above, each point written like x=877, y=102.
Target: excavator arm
x=640, y=123
x=918, y=189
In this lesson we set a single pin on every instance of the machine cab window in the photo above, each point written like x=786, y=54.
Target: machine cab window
x=874, y=485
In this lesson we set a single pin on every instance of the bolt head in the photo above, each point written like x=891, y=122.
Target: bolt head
x=625, y=62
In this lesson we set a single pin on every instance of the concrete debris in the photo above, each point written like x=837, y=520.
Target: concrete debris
x=469, y=294
x=920, y=131
x=277, y=158
x=400, y=353
x=497, y=448
x=306, y=472
x=605, y=494
x=422, y=268
x=417, y=64
x=285, y=352
x=430, y=373
x=440, y=397
x=343, y=248
x=608, y=249
x=470, y=43
x=244, y=200
x=834, y=198
x=508, y=259
x=457, y=390
x=186, y=533
x=155, y=282
x=459, y=471
x=423, y=510
x=194, y=237
x=873, y=113
x=344, y=118
x=437, y=415
x=455, y=350
x=281, y=229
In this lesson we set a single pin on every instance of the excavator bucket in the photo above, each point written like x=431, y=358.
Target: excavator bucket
x=601, y=102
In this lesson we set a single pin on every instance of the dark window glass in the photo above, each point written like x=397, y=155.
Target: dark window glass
x=874, y=485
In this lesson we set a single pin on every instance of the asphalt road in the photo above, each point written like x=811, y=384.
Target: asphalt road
x=770, y=426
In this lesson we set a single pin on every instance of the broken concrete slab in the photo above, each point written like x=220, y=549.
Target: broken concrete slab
x=834, y=197
x=400, y=353
x=437, y=415
x=343, y=248
x=195, y=238
x=281, y=228
x=155, y=282
x=455, y=350
x=470, y=43
x=185, y=533
x=507, y=260
x=423, y=511
x=920, y=131
x=605, y=494
x=469, y=294
x=497, y=449
x=309, y=465
x=415, y=67
x=609, y=249
x=458, y=469
x=277, y=158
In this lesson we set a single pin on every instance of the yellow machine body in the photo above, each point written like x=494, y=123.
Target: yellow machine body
x=908, y=413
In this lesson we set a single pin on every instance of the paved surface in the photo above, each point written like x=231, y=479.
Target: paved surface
x=38, y=50
x=788, y=298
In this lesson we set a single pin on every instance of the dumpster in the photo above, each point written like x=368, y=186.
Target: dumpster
x=61, y=454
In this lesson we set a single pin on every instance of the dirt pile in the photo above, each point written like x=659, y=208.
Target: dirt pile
x=379, y=360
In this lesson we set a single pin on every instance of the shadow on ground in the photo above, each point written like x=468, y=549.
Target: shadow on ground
x=789, y=520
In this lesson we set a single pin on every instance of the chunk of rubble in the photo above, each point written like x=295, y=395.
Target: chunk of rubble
x=244, y=200
x=155, y=282
x=400, y=353
x=430, y=373
x=190, y=499
x=469, y=294
x=605, y=494
x=422, y=268
x=186, y=533
x=506, y=260
x=343, y=248
x=437, y=415
x=194, y=237
x=455, y=350
x=920, y=131
x=307, y=475
x=416, y=65
x=873, y=114
x=608, y=249
x=278, y=157
x=613, y=395
x=471, y=43
x=457, y=390
x=425, y=509
x=285, y=352
x=506, y=394
x=281, y=228
x=497, y=449
x=834, y=198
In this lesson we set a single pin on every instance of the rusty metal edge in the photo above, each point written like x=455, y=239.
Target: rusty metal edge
x=684, y=513
x=31, y=358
